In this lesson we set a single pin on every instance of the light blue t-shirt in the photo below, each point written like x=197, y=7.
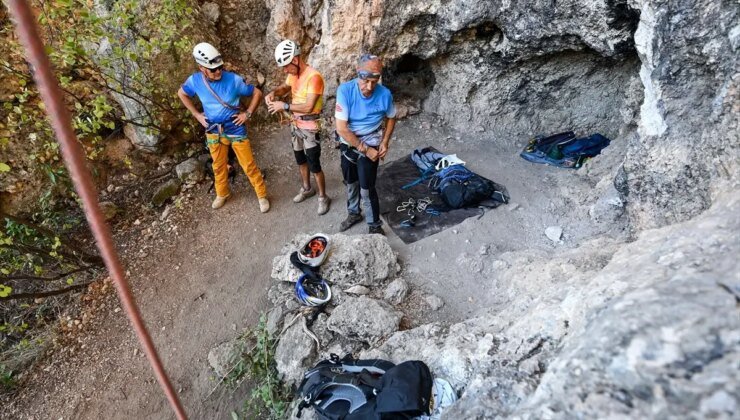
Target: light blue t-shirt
x=229, y=89
x=365, y=115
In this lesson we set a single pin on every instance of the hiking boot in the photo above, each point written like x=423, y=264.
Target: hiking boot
x=350, y=221
x=264, y=204
x=219, y=202
x=376, y=229
x=304, y=194
x=324, y=205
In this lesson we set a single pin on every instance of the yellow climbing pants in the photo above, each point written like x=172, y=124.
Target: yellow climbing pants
x=219, y=148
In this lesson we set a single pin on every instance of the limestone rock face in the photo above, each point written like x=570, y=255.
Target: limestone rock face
x=655, y=321
x=689, y=142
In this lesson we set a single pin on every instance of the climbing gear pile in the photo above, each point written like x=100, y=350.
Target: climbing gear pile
x=413, y=205
x=311, y=289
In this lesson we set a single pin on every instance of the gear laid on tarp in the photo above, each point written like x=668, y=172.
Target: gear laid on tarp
x=564, y=150
x=431, y=201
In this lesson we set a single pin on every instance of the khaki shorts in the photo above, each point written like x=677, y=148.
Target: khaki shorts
x=303, y=139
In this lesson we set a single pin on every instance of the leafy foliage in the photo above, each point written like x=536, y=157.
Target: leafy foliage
x=124, y=48
x=269, y=397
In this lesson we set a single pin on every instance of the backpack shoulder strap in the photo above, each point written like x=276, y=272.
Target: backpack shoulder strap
x=215, y=95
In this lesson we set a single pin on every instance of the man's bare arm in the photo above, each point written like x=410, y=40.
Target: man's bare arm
x=188, y=102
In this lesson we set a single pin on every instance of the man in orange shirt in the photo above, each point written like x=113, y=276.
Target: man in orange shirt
x=306, y=88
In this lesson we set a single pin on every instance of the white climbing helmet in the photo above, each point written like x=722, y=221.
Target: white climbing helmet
x=448, y=161
x=286, y=51
x=314, y=251
x=207, y=56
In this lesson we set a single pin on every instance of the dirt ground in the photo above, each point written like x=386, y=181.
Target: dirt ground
x=204, y=278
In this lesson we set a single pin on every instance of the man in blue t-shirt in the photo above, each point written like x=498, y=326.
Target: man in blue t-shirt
x=220, y=93
x=363, y=105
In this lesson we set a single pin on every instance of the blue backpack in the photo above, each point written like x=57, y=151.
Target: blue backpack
x=564, y=150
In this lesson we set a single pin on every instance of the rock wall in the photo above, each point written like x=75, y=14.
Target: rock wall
x=513, y=69
x=646, y=330
x=688, y=142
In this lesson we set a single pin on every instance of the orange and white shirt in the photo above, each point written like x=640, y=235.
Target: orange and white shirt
x=309, y=82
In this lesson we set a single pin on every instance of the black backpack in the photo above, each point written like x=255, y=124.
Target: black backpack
x=460, y=187
x=375, y=389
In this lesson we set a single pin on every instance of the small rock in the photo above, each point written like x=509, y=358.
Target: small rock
x=434, y=255
x=165, y=213
x=434, y=302
x=396, y=291
x=222, y=357
x=358, y=290
x=273, y=320
x=426, y=125
x=483, y=249
x=554, y=233
x=110, y=188
x=109, y=210
x=137, y=222
x=211, y=11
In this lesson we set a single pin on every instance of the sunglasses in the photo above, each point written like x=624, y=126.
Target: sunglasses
x=219, y=68
x=364, y=75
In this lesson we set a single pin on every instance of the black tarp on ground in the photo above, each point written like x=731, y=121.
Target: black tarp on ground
x=393, y=176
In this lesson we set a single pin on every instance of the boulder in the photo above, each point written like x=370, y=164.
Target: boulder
x=364, y=319
x=211, y=11
x=273, y=320
x=294, y=353
x=165, y=191
x=396, y=291
x=359, y=259
x=223, y=357
x=190, y=171
x=434, y=302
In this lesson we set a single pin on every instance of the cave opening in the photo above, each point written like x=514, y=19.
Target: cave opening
x=410, y=78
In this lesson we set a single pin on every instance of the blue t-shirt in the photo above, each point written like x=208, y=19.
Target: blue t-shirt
x=364, y=115
x=229, y=89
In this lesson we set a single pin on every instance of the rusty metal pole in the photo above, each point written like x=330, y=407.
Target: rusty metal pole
x=74, y=158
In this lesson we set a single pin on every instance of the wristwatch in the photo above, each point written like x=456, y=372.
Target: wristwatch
x=249, y=114
x=286, y=106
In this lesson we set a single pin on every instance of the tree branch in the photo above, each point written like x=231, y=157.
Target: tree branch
x=36, y=278
x=46, y=294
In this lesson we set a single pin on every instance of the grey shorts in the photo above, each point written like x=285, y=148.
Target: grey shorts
x=303, y=139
